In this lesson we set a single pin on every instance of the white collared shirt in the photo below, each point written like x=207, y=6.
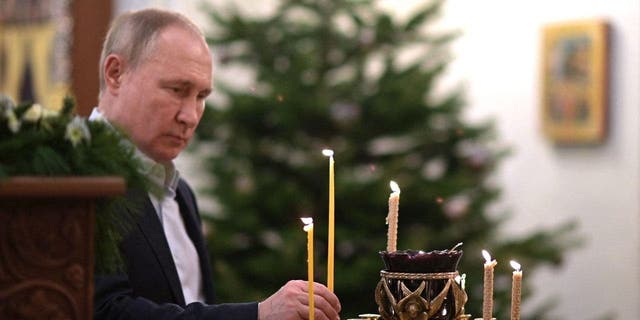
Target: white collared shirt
x=164, y=182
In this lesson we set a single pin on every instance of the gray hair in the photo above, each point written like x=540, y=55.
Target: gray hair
x=132, y=35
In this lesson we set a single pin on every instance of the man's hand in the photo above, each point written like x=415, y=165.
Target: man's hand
x=291, y=302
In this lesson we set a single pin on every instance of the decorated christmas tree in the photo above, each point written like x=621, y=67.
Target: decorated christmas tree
x=336, y=74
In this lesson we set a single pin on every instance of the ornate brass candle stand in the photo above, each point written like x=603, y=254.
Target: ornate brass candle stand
x=419, y=285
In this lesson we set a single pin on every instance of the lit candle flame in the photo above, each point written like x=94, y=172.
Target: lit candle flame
x=308, y=223
x=515, y=265
x=486, y=255
x=394, y=186
x=327, y=152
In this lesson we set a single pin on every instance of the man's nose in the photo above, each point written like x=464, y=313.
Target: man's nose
x=189, y=112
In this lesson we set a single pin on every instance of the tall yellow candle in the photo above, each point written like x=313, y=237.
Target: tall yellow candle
x=308, y=227
x=516, y=290
x=392, y=217
x=331, y=241
x=487, y=302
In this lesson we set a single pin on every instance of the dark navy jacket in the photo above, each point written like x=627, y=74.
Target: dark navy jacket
x=150, y=288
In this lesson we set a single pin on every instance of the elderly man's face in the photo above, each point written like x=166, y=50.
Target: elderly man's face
x=160, y=103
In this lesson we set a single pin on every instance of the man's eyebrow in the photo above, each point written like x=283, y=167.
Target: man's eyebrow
x=207, y=91
x=176, y=81
x=186, y=83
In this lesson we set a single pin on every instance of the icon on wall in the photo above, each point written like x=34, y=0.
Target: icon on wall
x=35, y=58
x=574, y=82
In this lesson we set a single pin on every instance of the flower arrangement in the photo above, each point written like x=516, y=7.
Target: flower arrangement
x=36, y=141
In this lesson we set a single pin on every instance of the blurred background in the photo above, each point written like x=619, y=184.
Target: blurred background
x=481, y=166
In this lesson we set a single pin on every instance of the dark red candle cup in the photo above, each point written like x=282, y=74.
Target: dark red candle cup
x=418, y=261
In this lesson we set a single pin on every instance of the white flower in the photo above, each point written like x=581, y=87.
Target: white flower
x=34, y=113
x=49, y=113
x=12, y=121
x=77, y=130
x=6, y=102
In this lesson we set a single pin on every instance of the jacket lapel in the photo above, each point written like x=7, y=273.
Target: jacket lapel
x=152, y=230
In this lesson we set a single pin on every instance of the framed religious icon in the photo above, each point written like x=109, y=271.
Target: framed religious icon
x=35, y=59
x=51, y=48
x=574, y=84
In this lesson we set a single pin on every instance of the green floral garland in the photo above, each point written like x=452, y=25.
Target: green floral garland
x=36, y=141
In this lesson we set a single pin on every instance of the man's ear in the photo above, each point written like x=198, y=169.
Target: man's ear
x=113, y=71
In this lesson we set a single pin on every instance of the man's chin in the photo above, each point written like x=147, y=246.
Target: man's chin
x=166, y=156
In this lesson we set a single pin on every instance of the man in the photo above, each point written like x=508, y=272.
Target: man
x=155, y=73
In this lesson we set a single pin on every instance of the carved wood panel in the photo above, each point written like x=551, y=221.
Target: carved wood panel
x=46, y=258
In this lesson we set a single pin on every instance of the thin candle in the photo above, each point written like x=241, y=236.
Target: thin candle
x=392, y=217
x=331, y=241
x=516, y=290
x=308, y=227
x=487, y=302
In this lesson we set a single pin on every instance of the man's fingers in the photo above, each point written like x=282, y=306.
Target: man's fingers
x=326, y=303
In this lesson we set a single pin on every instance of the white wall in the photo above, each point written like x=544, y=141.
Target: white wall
x=498, y=60
x=190, y=8
x=498, y=57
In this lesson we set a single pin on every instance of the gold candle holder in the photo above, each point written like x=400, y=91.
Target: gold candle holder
x=420, y=296
x=418, y=285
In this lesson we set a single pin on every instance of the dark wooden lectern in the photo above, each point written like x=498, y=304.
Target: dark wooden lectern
x=46, y=245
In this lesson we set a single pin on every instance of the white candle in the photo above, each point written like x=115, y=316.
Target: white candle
x=487, y=301
x=308, y=227
x=392, y=217
x=516, y=290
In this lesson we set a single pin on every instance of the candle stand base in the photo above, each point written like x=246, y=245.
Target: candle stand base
x=420, y=296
